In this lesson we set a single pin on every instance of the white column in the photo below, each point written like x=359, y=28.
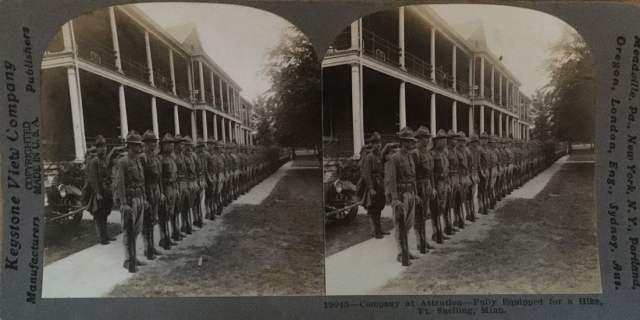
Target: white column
x=493, y=127
x=194, y=126
x=205, y=128
x=221, y=94
x=215, y=126
x=471, y=122
x=493, y=89
x=482, y=77
x=432, y=56
x=455, y=66
x=471, y=80
x=403, y=106
x=230, y=131
x=454, y=116
x=355, y=35
x=191, y=96
x=507, y=96
x=124, y=127
x=147, y=43
x=173, y=72
x=228, y=100
x=213, y=91
x=500, y=124
x=356, y=109
x=500, y=89
x=176, y=119
x=76, y=114
x=67, y=38
x=114, y=40
x=507, y=125
x=154, y=117
x=224, y=131
x=433, y=114
x=481, y=119
x=201, y=70
x=401, y=37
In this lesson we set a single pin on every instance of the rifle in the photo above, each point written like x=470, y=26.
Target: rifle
x=132, y=243
x=435, y=215
x=421, y=221
x=404, y=243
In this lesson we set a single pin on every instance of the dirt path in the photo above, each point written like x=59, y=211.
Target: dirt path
x=541, y=245
x=275, y=248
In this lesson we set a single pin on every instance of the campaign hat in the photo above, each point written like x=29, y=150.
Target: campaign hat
x=406, y=134
x=423, y=132
x=149, y=136
x=133, y=137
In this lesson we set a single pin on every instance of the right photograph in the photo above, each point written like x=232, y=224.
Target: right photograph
x=458, y=154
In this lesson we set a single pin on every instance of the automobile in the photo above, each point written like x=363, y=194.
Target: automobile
x=340, y=200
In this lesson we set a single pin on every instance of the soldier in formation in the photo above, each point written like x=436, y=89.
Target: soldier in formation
x=447, y=178
x=169, y=185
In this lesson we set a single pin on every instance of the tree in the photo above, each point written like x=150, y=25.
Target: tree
x=571, y=90
x=541, y=115
x=262, y=119
x=295, y=94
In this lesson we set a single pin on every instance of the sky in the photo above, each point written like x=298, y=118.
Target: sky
x=236, y=38
x=521, y=36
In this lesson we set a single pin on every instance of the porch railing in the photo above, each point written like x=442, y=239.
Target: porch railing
x=96, y=53
x=163, y=82
x=183, y=93
x=135, y=69
x=417, y=66
x=380, y=48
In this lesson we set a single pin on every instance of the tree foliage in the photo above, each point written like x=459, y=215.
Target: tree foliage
x=294, y=99
x=262, y=119
x=541, y=114
x=570, y=94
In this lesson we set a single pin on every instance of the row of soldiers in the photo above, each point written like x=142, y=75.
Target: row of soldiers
x=445, y=178
x=175, y=185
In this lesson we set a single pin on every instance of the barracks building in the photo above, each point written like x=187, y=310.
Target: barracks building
x=116, y=70
x=408, y=67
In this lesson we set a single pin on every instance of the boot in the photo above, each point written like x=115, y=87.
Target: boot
x=379, y=225
x=103, y=225
x=148, y=245
x=374, y=227
x=101, y=235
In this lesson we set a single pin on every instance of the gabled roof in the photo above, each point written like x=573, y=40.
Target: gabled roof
x=473, y=33
x=187, y=35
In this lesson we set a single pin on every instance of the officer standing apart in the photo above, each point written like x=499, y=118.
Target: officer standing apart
x=132, y=198
x=401, y=174
x=98, y=189
x=153, y=191
x=373, y=198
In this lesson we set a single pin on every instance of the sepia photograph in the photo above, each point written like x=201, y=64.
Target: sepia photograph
x=181, y=150
x=458, y=154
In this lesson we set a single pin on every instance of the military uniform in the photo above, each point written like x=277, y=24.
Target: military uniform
x=201, y=160
x=153, y=193
x=464, y=173
x=98, y=187
x=473, y=156
x=212, y=171
x=441, y=184
x=401, y=174
x=371, y=187
x=169, y=187
x=182, y=199
x=424, y=180
x=493, y=164
x=192, y=187
x=485, y=168
x=131, y=193
x=454, y=182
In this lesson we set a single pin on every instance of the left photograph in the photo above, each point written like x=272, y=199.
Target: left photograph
x=182, y=155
